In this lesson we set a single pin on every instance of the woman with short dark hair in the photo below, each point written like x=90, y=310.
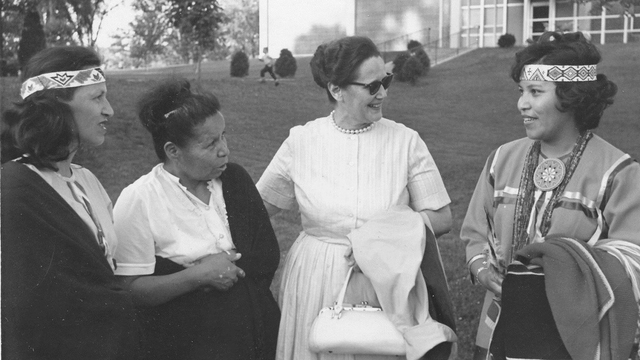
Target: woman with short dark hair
x=197, y=250
x=60, y=298
x=552, y=227
x=349, y=171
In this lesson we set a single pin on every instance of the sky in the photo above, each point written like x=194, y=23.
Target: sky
x=119, y=17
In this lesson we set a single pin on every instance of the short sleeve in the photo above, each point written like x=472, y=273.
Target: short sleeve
x=425, y=184
x=135, y=253
x=276, y=185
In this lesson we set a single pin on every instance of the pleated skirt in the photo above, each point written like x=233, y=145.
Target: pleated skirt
x=314, y=272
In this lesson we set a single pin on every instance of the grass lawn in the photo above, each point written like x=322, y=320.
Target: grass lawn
x=463, y=109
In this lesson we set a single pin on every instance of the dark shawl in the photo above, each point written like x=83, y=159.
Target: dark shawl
x=241, y=323
x=440, y=304
x=60, y=298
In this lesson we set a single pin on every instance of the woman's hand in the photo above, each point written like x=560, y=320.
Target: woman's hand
x=218, y=271
x=491, y=280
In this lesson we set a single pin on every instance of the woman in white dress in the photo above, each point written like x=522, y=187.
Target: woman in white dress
x=341, y=170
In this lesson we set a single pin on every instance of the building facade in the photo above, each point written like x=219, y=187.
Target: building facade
x=301, y=25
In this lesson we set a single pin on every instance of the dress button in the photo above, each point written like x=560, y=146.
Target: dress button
x=352, y=137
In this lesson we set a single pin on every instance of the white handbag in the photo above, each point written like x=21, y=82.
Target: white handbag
x=354, y=329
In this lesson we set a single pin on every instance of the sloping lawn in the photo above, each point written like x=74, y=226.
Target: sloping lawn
x=463, y=109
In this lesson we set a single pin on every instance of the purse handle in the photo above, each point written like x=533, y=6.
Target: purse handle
x=337, y=309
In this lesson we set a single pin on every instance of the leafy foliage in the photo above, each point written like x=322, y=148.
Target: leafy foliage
x=150, y=29
x=412, y=64
x=413, y=45
x=198, y=22
x=399, y=61
x=422, y=56
x=240, y=64
x=286, y=65
x=65, y=22
x=242, y=29
x=417, y=49
x=506, y=40
x=411, y=70
x=32, y=39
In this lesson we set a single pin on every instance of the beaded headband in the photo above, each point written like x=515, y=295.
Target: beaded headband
x=60, y=80
x=561, y=73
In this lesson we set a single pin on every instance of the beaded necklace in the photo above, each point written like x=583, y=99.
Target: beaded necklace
x=349, y=131
x=526, y=192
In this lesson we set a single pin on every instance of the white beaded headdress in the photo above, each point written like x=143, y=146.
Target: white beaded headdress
x=560, y=73
x=61, y=79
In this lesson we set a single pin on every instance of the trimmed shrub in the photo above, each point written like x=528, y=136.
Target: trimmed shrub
x=286, y=65
x=239, y=64
x=506, y=40
x=424, y=60
x=9, y=68
x=411, y=70
x=413, y=45
x=398, y=63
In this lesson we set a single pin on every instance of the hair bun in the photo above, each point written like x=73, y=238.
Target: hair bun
x=318, y=67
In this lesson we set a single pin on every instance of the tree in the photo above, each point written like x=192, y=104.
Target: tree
x=32, y=38
x=10, y=28
x=242, y=29
x=149, y=29
x=197, y=22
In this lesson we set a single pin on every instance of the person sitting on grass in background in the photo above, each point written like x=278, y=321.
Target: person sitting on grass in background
x=60, y=298
x=268, y=65
x=197, y=248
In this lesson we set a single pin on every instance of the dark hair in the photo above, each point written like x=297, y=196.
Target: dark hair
x=170, y=111
x=338, y=61
x=586, y=99
x=42, y=125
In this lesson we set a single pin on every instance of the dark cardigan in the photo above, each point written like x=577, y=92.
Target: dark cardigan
x=241, y=323
x=60, y=299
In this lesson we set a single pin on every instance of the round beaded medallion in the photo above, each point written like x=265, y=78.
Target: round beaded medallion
x=549, y=174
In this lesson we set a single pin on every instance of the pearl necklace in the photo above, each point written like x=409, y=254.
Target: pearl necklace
x=349, y=131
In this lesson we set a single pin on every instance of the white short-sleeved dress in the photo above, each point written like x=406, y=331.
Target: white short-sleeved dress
x=339, y=181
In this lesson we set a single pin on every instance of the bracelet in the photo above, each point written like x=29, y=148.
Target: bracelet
x=483, y=267
x=476, y=257
x=479, y=270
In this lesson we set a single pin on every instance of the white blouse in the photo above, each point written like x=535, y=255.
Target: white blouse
x=156, y=215
x=339, y=181
x=90, y=187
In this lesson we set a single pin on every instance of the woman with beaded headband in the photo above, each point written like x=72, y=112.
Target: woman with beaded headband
x=553, y=226
x=347, y=173
x=60, y=298
x=197, y=249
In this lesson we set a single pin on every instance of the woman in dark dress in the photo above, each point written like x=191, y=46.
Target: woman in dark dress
x=60, y=298
x=197, y=248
